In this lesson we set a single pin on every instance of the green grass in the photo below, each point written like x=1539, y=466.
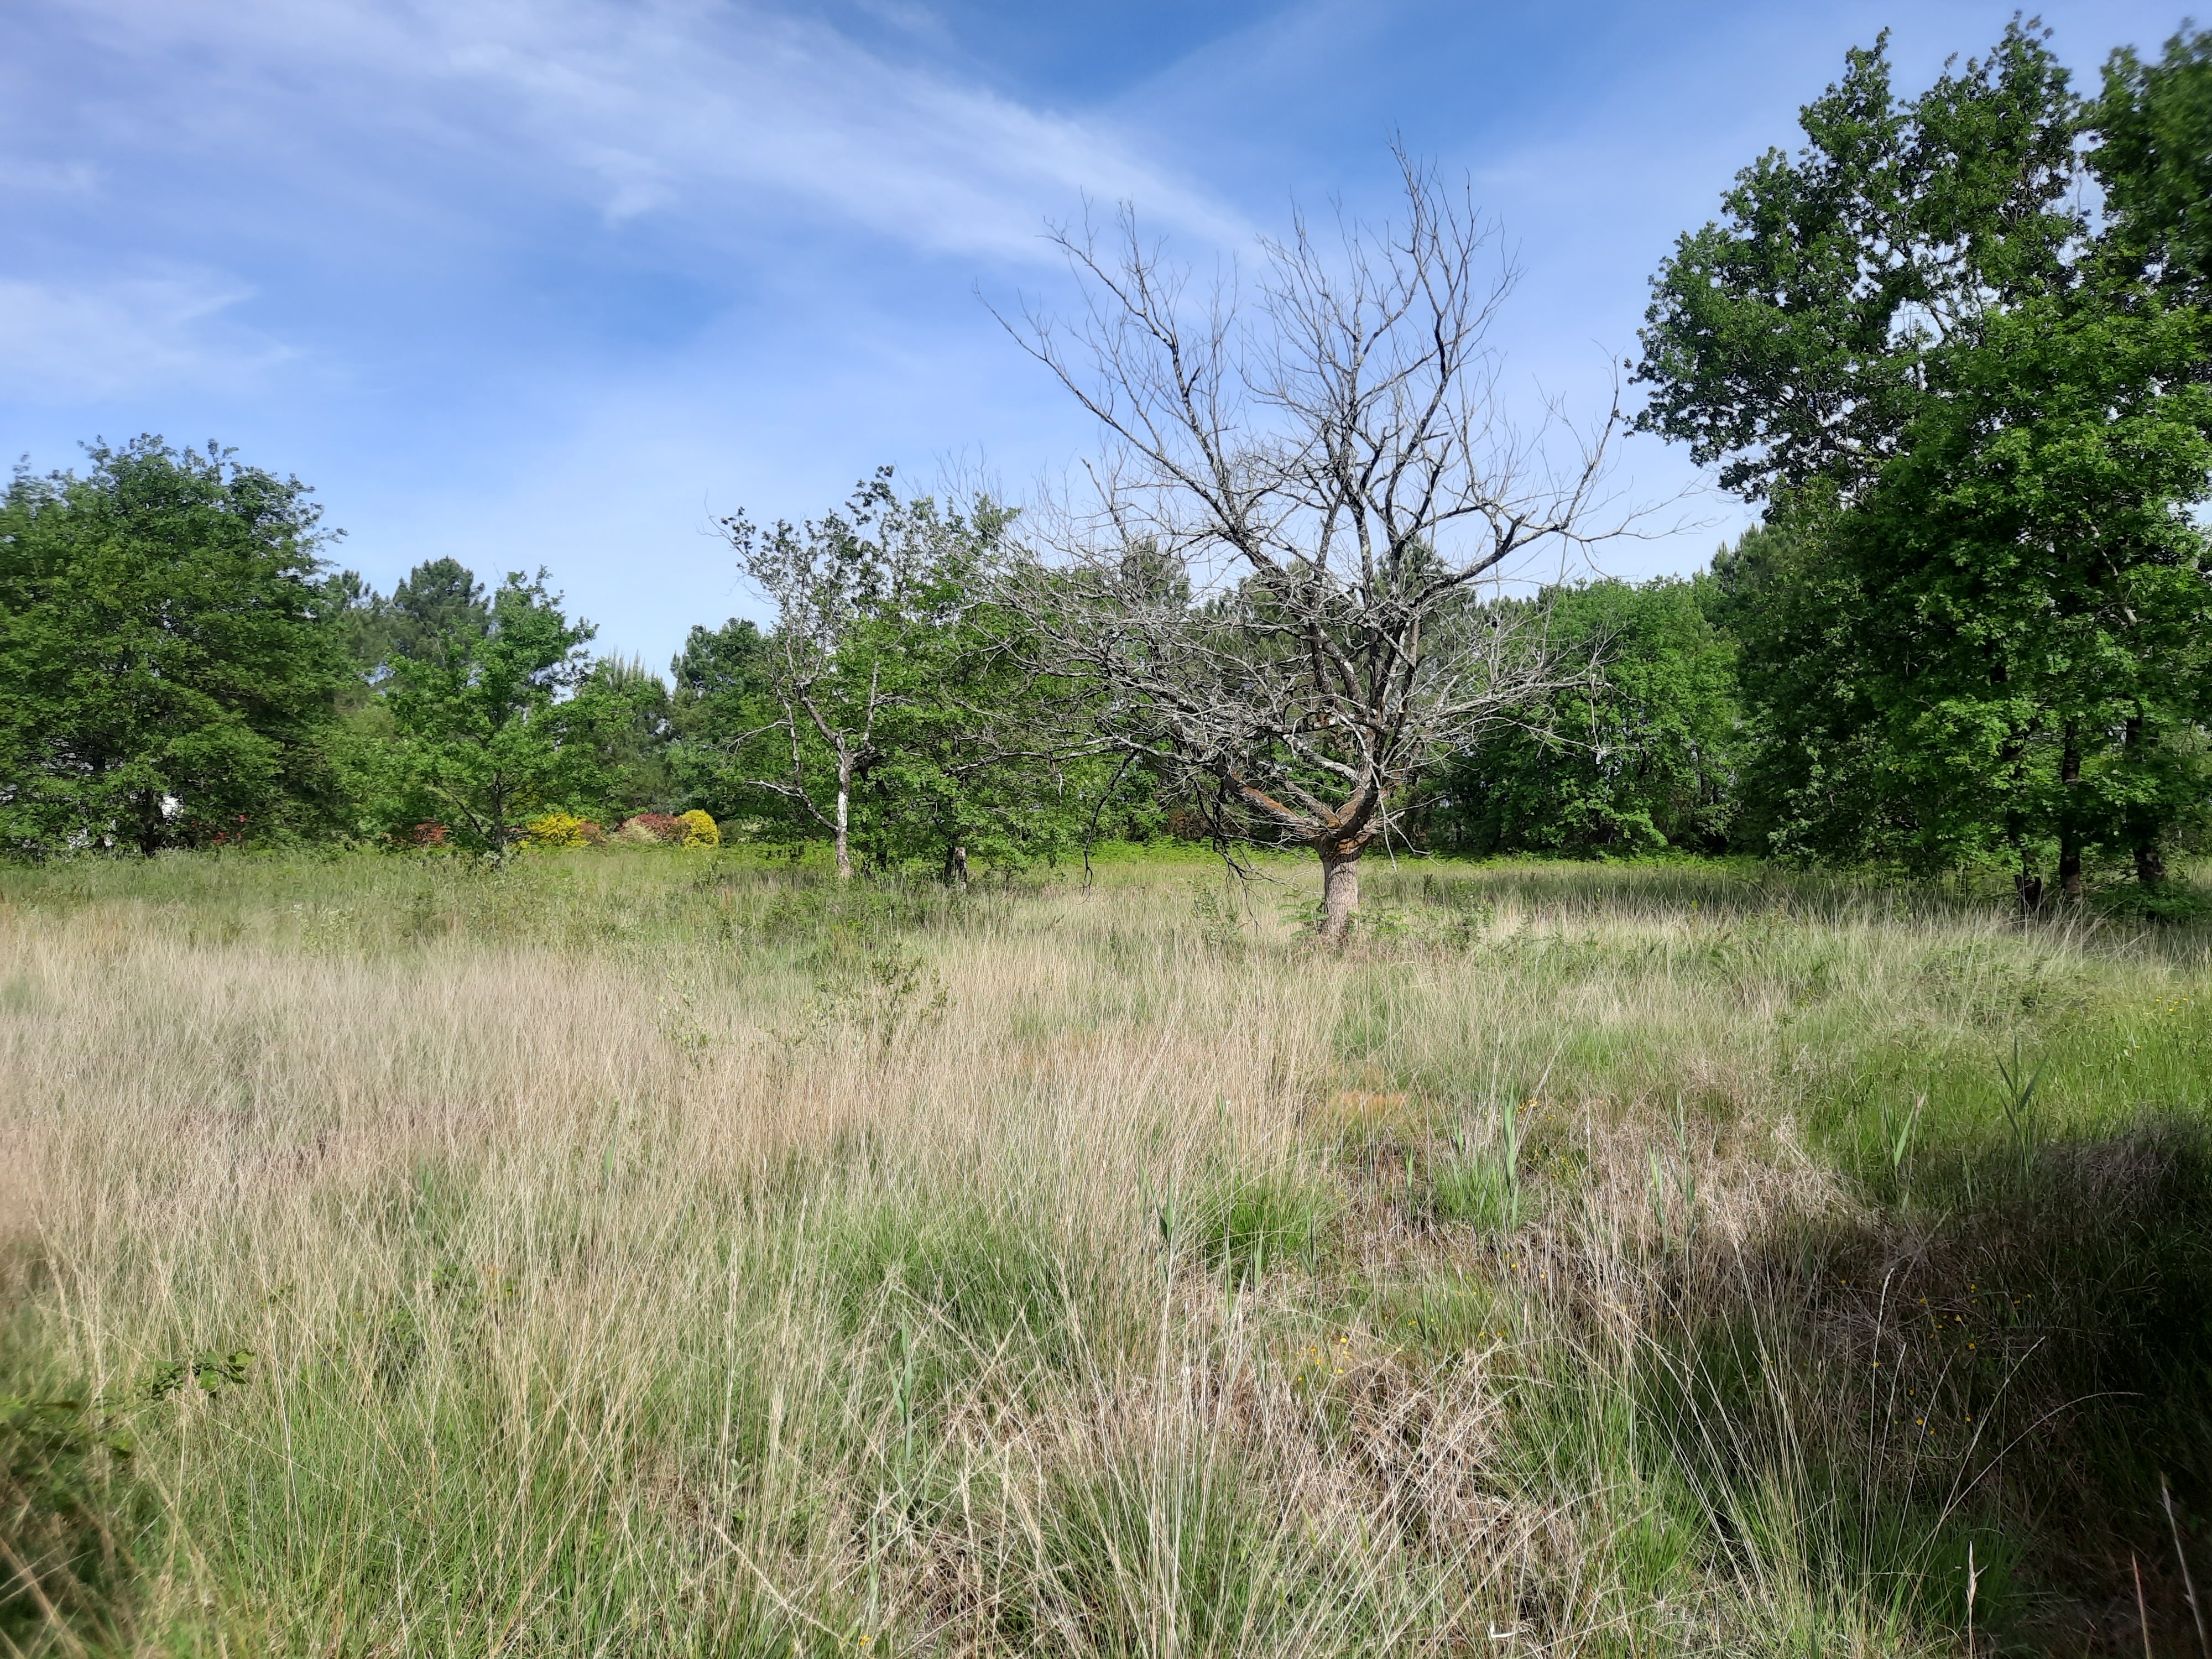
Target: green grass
x=675, y=1253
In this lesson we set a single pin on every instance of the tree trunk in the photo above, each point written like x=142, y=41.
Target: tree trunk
x=1339, y=893
x=2150, y=859
x=956, y=867
x=844, y=801
x=2069, y=832
x=2150, y=863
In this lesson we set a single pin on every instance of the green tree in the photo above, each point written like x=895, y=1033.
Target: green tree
x=169, y=674
x=883, y=708
x=2153, y=158
x=723, y=717
x=1980, y=435
x=485, y=734
x=1794, y=341
x=1640, y=758
x=437, y=612
x=625, y=711
x=965, y=769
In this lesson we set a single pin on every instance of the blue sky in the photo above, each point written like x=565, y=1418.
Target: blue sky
x=556, y=282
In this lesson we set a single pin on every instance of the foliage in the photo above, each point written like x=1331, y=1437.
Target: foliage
x=168, y=681
x=721, y=702
x=1642, y=758
x=1981, y=430
x=483, y=732
x=562, y=830
x=2154, y=161
x=653, y=827
x=699, y=830
x=885, y=710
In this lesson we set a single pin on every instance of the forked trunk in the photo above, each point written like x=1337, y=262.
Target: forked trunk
x=1339, y=893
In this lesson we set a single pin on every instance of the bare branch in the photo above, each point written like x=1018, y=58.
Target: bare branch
x=1288, y=583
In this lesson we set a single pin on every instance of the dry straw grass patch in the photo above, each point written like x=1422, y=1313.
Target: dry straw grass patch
x=626, y=1252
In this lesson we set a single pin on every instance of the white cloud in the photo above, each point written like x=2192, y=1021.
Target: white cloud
x=680, y=106
x=80, y=343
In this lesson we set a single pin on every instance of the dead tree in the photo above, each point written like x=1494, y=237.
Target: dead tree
x=1283, y=583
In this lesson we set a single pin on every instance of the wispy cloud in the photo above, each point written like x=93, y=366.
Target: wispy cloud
x=95, y=342
x=676, y=107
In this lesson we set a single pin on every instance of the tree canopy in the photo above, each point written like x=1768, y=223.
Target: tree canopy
x=1976, y=413
x=168, y=672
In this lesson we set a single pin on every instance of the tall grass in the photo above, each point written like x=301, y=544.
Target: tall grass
x=641, y=1252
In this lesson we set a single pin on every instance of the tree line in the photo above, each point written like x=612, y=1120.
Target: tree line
x=1957, y=348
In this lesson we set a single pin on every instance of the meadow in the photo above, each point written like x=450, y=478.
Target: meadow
x=644, y=1251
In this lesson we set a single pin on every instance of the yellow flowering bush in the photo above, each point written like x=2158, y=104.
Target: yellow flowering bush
x=561, y=829
x=700, y=830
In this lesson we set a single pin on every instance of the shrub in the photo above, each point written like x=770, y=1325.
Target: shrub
x=665, y=827
x=654, y=827
x=699, y=830
x=562, y=829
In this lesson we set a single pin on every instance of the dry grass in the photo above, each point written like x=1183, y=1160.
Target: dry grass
x=653, y=1252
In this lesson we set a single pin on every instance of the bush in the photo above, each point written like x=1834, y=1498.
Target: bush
x=647, y=828
x=562, y=829
x=699, y=830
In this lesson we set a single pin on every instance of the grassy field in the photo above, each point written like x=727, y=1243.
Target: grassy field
x=643, y=1252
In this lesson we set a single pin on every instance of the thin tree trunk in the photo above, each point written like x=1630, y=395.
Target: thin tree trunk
x=2069, y=834
x=844, y=800
x=1339, y=891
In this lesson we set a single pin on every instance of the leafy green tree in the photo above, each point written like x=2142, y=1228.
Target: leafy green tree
x=2152, y=159
x=965, y=769
x=723, y=721
x=485, y=733
x=1980, y=435
x=437, y=612
x=1640, y=758
x=356, y=615
x=169, y=675
x=881, y=708
x=623, y=709
x=1794, y=341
